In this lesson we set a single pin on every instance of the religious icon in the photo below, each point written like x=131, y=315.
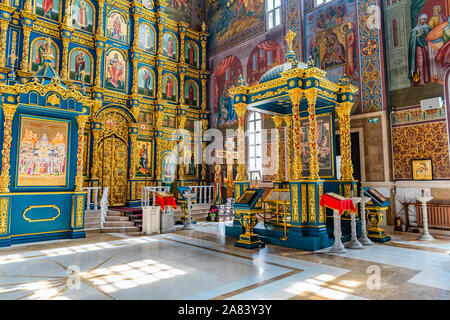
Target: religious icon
x=334, y=54
x=168, y=167
x=144, y=157
x=42, y=152
x=148, y=4
x=116, y=70
x=350, y=43
x=145, y=82
x=169, y=90
x=80, y=64
x=168, y=121
x=39, y=47
x=191, y=53
x=191, y=93
x=116, y=27
x=422, y=169
x=170, y=46
x=82, y=15
x=146, y=38
x=48, y=9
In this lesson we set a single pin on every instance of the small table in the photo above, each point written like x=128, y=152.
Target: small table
x=164, y=199
x=339, y=204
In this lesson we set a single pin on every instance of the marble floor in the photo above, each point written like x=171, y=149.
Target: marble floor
x=204, y=264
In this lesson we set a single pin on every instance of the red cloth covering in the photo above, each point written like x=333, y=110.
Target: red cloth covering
x=166, y=201
x=336, y=204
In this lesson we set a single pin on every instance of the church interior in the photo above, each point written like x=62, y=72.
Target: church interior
x=225, y=149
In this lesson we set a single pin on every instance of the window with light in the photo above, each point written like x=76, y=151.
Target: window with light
x=273, y=13
x=254, y=136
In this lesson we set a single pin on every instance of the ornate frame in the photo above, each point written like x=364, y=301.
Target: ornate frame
x=94, y=12
x=70, y=62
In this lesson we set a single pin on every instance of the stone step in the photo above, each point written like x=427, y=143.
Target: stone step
x=116, y=218
x=91, y=219
x=114, y=213
x=92, y=230
x=118, y=223
x=127, y=230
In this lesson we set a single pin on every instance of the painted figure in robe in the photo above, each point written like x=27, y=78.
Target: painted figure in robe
x=419, y=66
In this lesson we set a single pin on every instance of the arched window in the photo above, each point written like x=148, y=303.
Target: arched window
x=254, y=136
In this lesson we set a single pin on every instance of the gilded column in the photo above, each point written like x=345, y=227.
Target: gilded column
x=133, y=138
x=8, y=111
x=288, y=139
x=181, y=89
x=182, y=57
x=101, y=4
x=343, y=111
x=159, y=118
x=4, y=28
x=181, y=123
x=99, y=53
x=65, y=57
x=280, y=163
x=160, y=84
x=311, y=96
x=204, y=128
x=203, y=42
x=79, y=177
x=241, y=110
x=297, y=169
x=160, y=38
x=134, y=88
x=204, y=81
x=95, y=154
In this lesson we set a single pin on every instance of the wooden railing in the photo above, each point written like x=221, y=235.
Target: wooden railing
x=438, y=215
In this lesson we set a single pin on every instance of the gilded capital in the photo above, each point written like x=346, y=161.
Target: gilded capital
x=278, y=120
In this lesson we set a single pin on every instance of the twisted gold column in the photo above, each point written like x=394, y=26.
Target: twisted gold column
x=101, y=4
x=8, y=111
x=295, y=96
x=4, y=28
x=311, y=96
x=181, y=123
x=134, y=88
x=99, y=52
x=288, y=121
x=79, y=177
x=280, y=168
x=241, y=110
x=203, y=95
x=181, y=88
x=343, y=111
x=24, y=65
x=95, y=154
x=64, y=68
x=133, y=138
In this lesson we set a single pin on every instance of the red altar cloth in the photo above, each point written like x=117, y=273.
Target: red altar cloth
x=165, y=201
x=337, y=204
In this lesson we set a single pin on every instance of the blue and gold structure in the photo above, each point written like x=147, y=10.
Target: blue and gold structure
x=298, y=93
x=146, y=73
x=246, y=207
x=43, y=121
x=376, y=212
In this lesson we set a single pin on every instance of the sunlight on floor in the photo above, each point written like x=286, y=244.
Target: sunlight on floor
x=315, y=286
x=130, y=275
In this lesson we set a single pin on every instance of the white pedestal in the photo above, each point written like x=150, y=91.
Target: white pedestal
x=150, y=219
x=425, y=236
x=354, y=243
x=364, y=240
x=187, y=223
x=337, y=247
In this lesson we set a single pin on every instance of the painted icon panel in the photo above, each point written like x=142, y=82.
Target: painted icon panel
x=169, y=88
x=82, y=15
x=146, y=82
x=115, y=71
x=191, y=93
x=143, y=165
x=170, y=49
x=168, y=167
x=146, y=38
x=116, y=27
x=191, y=53
x=80, y=64
x=39, y=47
x=48, y=9
x=43, y=152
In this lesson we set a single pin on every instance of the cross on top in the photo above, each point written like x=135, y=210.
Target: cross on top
x=290, y=36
